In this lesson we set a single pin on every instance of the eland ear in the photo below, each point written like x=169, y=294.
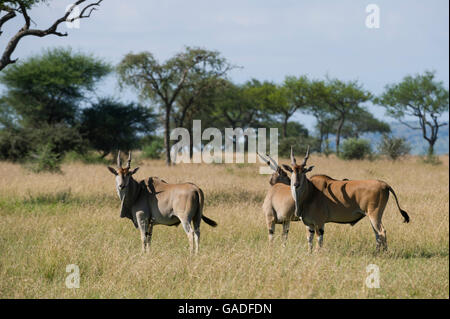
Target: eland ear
x=309, y=169
x=112, y=170
x=287, y=167
x=134, y=171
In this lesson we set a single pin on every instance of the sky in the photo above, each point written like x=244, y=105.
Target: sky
x=268, y=39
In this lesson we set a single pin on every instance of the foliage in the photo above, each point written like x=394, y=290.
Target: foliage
x=153, y=150
x=355, y=148
x=422, y=97
x=339, y=101
x=90, y=157
x=16, y=144
x=393, y=147
x=163, y=83
x=44, y=160
x=48, y=88
x=431, y=159
x=110, y=125
x=300, y=144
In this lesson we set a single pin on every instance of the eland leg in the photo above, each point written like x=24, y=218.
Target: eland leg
x=286, y=225
x=196, y=222
x=375, y=214
x=148, y=235
x=310, y=237
x=142, y=225
x=270, y=221
x=380, y=233
x=190, y=234
x=319, y=232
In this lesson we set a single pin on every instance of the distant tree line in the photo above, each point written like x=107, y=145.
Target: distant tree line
x=49, y=105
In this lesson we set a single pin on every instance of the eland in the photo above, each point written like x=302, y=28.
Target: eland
x=279, y=206
x=154, y=201
x=322, y=199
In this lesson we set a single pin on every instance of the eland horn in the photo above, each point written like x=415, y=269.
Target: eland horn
x=273, y=161
x=293, y=161
x=268, y=162
x=119, y=161
x=306, y=156
x=129, y=160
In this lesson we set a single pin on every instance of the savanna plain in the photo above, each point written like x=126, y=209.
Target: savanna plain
x=48, y=221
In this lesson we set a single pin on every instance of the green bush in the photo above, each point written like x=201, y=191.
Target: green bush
x=299, y=144
x=431, y=159
x=393, y=148
x=91, y=157
x=354, y=148
x=14, y=145
x=44, y=160
x=154, y=150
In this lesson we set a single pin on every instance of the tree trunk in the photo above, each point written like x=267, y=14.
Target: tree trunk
x=191, y=140
x=338, y=134
x=431, y=147
x=167, y=135
x=285, y=124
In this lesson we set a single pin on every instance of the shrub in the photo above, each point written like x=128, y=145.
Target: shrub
x=91, y=157
x=45, y=160
x=17, y=143
x=14, y=145
x=354, y=148
x=394, y=147
x=299, y=144
x=431, y=159
x=154, y=150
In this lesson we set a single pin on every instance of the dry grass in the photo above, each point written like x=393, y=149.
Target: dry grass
x=48, y=221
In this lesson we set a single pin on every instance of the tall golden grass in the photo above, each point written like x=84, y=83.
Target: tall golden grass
x=48, y=221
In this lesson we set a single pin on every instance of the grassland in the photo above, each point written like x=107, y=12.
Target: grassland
x=48, y=221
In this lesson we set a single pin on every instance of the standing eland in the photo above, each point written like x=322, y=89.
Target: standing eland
x=153, y=202
x=322, y=199
x=279, y=206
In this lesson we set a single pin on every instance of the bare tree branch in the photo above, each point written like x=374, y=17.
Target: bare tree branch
x=52, y=30
x=10, y=14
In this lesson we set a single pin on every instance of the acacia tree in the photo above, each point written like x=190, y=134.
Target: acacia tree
x=48, y=88
x=363, y=122
x=11, y=9
x=109, y=124
x=341, y=100
x=422, y=97
x=296, y=93
x=163, y=82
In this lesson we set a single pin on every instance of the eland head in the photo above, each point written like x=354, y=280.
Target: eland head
x=279, y=175
x=123, y=174
x=298, y=176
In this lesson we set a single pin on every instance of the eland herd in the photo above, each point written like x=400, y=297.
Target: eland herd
x=316, y=200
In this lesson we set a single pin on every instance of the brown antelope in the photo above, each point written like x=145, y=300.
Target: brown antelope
x=322, y=199
x=153, y=202
x=279, y=206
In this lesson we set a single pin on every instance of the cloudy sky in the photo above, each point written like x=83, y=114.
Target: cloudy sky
x=269, y=39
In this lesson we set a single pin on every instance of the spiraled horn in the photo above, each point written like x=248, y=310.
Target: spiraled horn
x=119, y=161
x=306, y=156
x=268, y=162
x=273, y=161
x=129, y=160
x=293, y=161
